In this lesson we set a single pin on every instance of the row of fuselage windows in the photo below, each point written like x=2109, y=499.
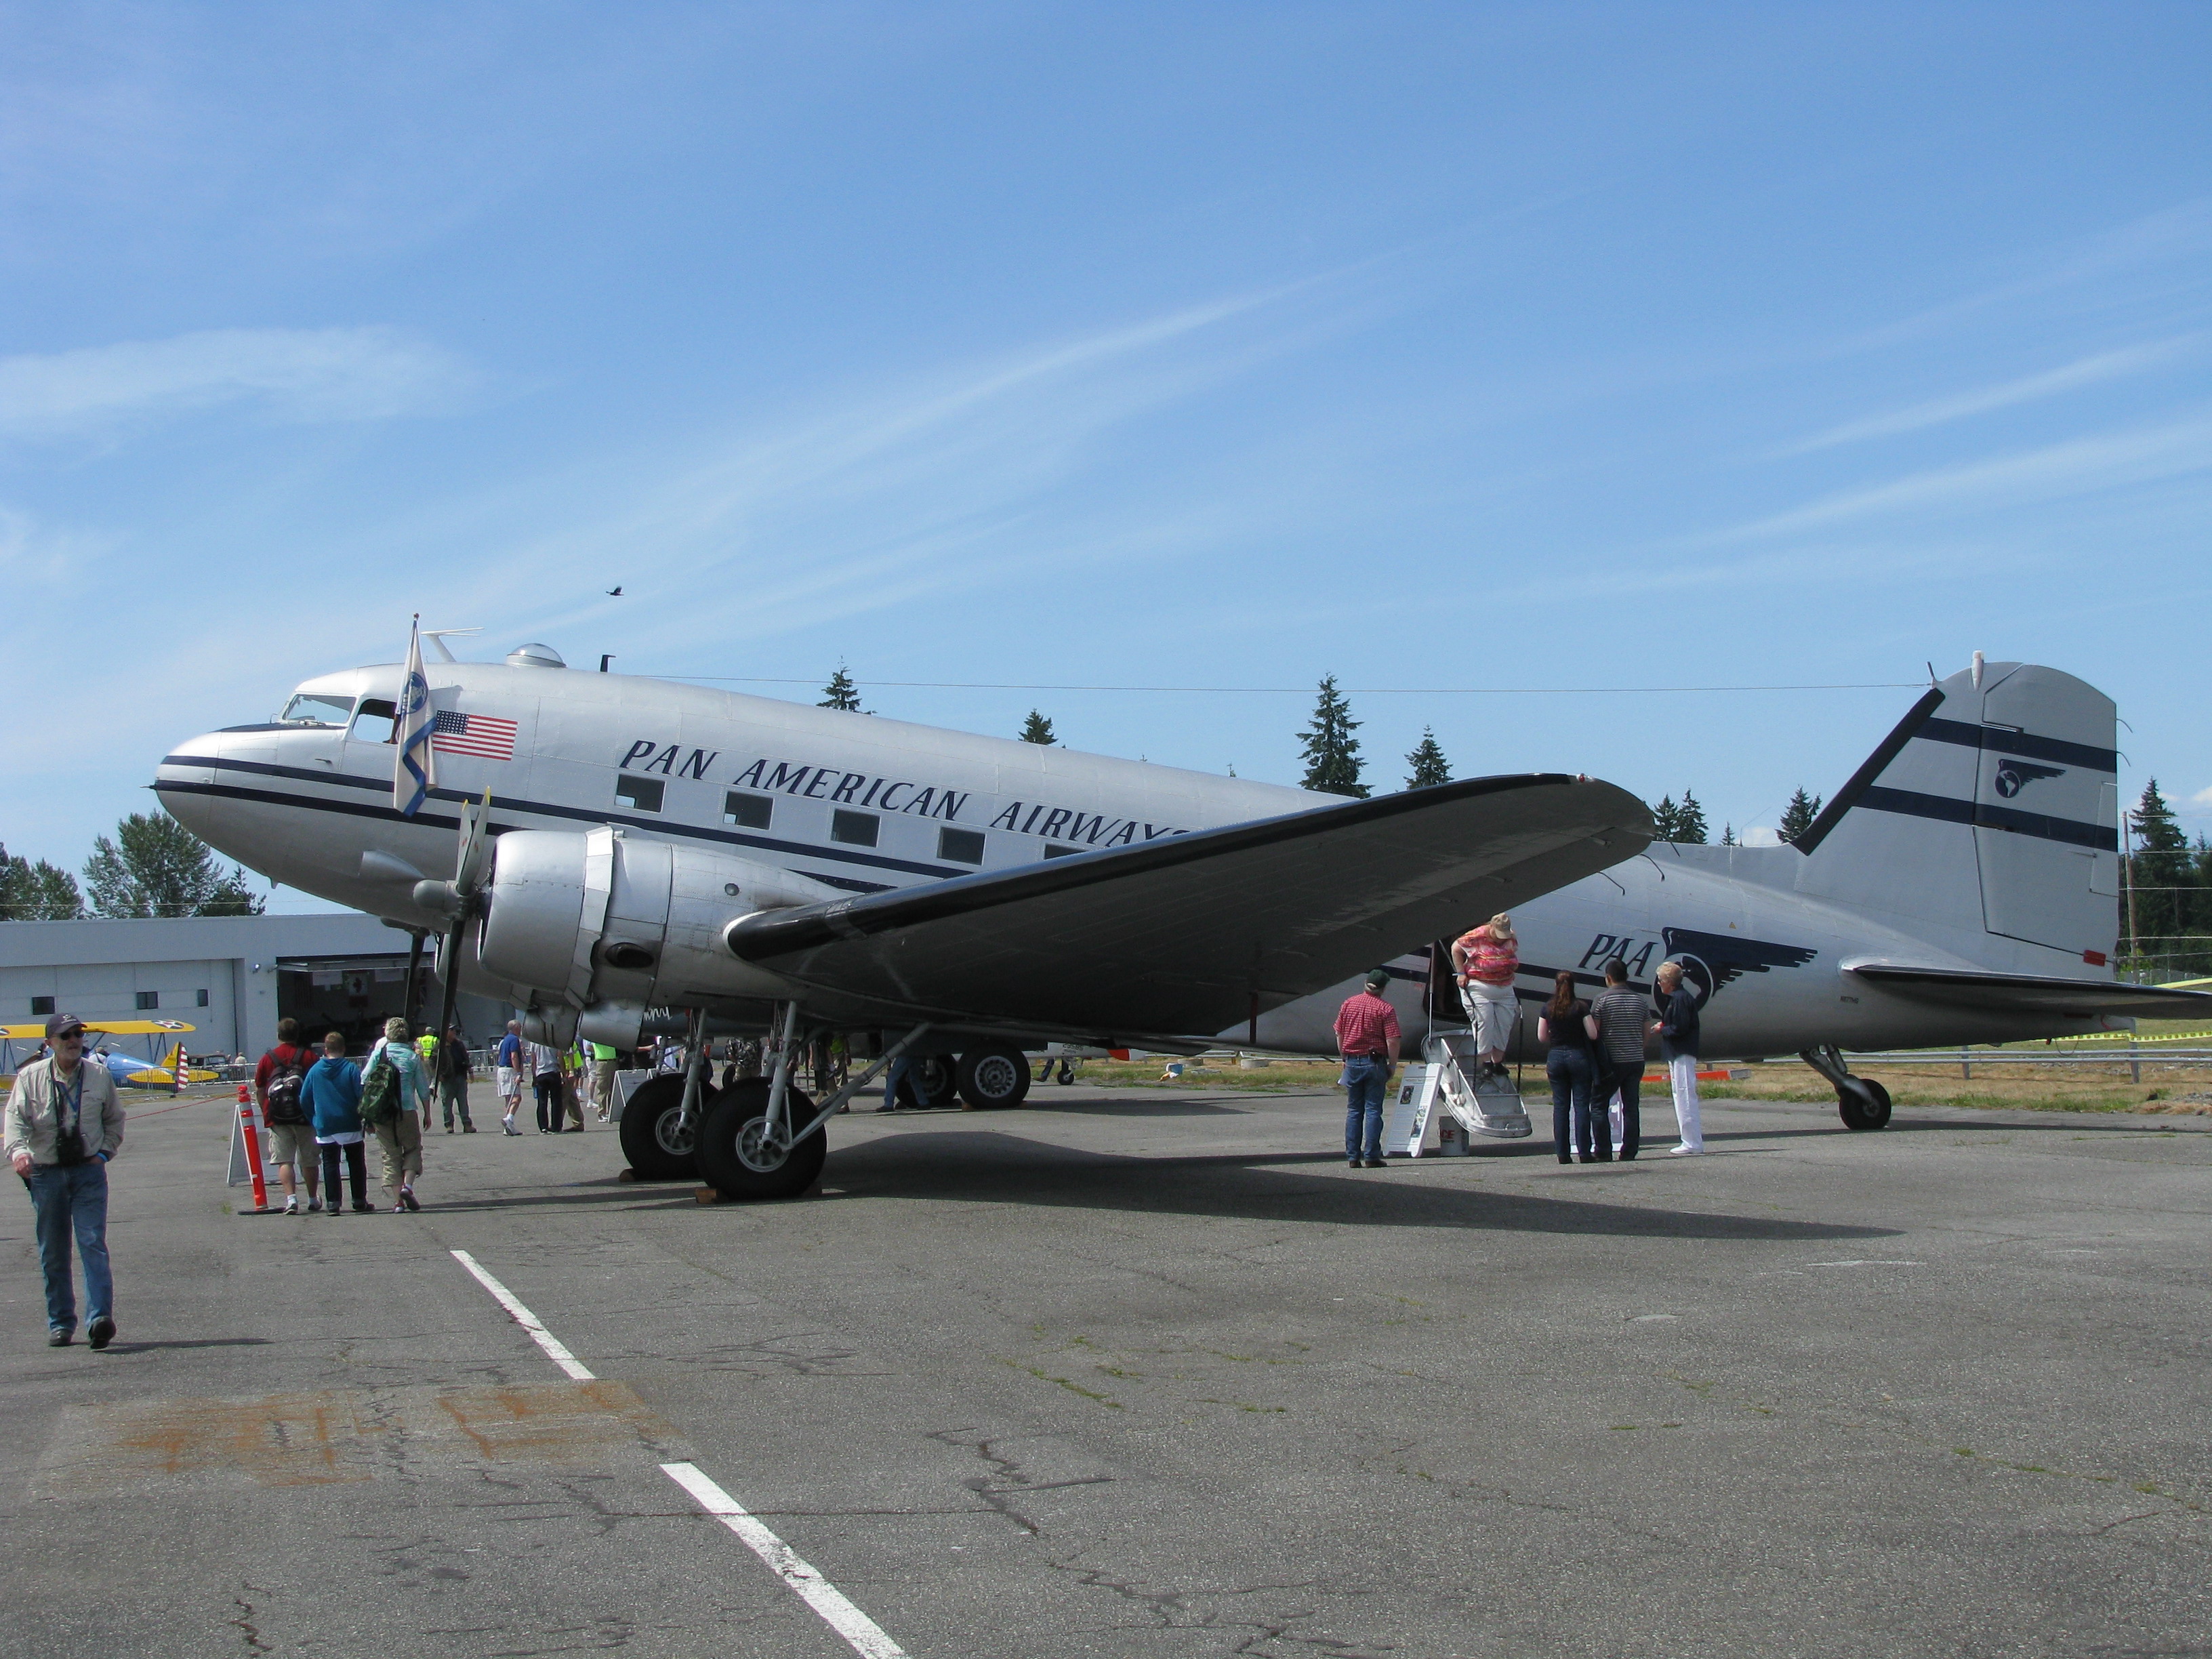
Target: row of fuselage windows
x=847, y=829
x=148, y=1000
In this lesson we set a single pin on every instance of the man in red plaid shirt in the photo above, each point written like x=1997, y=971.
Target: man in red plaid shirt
x=1367, y=1037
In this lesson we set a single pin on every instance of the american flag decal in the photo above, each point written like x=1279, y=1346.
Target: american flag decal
x=452, y=733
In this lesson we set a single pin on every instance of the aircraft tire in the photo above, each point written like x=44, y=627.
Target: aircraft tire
x=1864, y=1104
x=722, y=1137
x=992, y=1080
x=646, y=1121
x=937, y=1078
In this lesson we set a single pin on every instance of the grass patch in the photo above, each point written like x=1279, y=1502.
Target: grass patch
x=1993, y=1087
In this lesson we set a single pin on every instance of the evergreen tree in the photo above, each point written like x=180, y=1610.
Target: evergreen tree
x=1038, y=729
x=2166, y=886
x=1665, y=817
x=1690, y=822
x=1333, y=762
x=840, y=693
x=1797, y=816
x=37, y=892
x=1728, y=834
x=1428, y=762
x=156, y=867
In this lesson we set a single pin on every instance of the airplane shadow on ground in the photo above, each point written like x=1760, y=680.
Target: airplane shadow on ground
x=995, y=1168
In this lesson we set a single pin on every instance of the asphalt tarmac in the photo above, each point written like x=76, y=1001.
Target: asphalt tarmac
x=1142, y=1373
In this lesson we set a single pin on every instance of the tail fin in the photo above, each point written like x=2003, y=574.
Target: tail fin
x=1994, y=809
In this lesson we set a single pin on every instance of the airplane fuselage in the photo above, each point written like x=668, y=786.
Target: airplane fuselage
x=862, y=804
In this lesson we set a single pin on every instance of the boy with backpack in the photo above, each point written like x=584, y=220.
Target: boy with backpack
x=330, y=1094
x=277, y=1085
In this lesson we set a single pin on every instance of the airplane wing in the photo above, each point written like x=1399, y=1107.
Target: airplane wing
x=2031, y=993
x=1182, y=935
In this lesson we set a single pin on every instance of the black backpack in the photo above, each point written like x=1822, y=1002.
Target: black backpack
x=284, y=1091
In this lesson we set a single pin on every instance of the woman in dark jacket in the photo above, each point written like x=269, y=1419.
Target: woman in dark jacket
x=1568, y=1028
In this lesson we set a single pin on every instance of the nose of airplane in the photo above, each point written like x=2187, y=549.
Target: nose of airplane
x=184, y=783
x=202, y=780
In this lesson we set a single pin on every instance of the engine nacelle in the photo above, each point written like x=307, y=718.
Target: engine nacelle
x=600, y=920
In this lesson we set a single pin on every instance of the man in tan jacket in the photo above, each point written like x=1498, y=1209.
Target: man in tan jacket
x=63, y=1123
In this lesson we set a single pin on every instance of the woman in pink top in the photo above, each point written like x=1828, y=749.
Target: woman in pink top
x=1486, y=960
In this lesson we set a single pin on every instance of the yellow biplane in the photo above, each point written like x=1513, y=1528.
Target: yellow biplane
x=158, y=1072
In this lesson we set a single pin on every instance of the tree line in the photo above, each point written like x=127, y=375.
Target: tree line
x=151, y=866
x=1336, y=766
x=2166, y=894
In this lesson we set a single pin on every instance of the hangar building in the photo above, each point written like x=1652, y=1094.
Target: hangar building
x=229, y=977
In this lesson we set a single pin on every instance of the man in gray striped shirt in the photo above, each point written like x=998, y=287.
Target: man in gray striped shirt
x=1622, y=1015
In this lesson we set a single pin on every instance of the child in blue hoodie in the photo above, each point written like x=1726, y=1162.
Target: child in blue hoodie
x=331, y=1093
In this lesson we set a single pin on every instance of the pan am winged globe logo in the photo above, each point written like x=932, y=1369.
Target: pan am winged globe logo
x=2014, y=775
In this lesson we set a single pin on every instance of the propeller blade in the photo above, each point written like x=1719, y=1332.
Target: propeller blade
x=449, y=975
x=468, y=865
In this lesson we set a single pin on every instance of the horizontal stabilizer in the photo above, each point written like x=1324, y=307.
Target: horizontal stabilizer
x=1181, y=935
x=2030, y=993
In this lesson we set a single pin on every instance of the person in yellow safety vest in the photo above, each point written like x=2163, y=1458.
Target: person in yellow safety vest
x=572, y=1075
x=427, y=1045
x=603, y=1079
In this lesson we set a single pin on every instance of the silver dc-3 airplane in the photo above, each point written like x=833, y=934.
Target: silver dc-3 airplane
x=630, y=854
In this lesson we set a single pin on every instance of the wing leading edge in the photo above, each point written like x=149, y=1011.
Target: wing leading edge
x=1179, y=936
x=2030, y=993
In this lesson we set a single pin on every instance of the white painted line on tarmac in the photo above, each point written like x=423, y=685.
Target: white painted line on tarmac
x=529, y=1321
x=867, y=1637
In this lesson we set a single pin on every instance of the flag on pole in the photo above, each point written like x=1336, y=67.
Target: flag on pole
x=415, y=768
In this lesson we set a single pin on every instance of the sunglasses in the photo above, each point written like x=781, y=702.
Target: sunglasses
x=70, y=1036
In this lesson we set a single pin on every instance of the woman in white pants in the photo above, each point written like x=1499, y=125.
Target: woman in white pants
x=1677, y=1027
x=1486, y=960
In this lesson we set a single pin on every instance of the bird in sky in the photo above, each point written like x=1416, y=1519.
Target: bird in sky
x=615, y=593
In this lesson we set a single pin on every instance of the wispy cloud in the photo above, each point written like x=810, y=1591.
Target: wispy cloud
x=2182, y=232
x=2027, y=388
x=922, y=488
x=301, y=375
x=2078, y=466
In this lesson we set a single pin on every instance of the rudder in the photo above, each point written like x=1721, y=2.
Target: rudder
x=1992, y=808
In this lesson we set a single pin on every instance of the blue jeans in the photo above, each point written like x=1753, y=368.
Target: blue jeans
x=903, y=1083
x=1571, y=1073
x=65, y=1199
x=1364, y=1081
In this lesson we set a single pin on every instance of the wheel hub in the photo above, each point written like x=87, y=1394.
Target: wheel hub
x=761, y=1149
x=995, y=1079
x=674, y=1135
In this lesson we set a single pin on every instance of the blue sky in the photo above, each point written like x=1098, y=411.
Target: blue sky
x=1219, y=347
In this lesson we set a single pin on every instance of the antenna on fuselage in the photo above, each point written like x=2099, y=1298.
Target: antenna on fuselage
x=438, y=636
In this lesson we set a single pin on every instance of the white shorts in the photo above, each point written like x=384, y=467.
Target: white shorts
x=510, y=1083
x=1492, y=1010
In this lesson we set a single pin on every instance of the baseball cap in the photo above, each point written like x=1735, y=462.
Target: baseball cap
x=1379, y=976
x=57, y=1024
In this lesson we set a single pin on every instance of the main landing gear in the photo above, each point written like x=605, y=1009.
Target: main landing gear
x=762, y=1138
x=1862, y=1103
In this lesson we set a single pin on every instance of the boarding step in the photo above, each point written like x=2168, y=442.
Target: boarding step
x=1444, y=1106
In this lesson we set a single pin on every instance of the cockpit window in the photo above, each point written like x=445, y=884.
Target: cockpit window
x=374, y=723
x=317, y=708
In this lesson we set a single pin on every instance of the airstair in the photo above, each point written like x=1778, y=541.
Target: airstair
x=1445, y=1106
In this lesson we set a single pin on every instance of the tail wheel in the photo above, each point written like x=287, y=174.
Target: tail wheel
x=743, y=1158
x=1862, y=1104
x=657, y=1147
x=990, y=1079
